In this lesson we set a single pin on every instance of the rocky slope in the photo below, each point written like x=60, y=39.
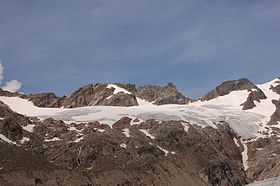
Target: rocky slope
x=117, y=94
x=229, y=137
x=162, y=95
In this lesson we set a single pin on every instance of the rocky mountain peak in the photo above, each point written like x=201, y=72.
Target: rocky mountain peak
x=229, y=86
x=256, y=94
x=167, y=94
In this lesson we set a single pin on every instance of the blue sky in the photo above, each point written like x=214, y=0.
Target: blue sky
x=61, y=45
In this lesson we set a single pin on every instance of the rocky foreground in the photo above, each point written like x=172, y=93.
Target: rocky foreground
x=133, y=150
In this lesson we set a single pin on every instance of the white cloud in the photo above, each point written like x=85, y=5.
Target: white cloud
x=12, y=86
x=1, y=72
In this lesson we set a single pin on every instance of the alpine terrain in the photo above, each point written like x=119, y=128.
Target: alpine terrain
x=120, y=134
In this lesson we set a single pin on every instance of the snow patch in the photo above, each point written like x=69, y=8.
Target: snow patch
x=126, y=133
x=142, y=102
x=123, y=145
x=101, y=130
x=172, y=152
x=164, y=150
x=29, y=127
x=53, y=139
x=236, y=142
x=245, y=155
x=24, y=139
x=146, y=132
x=71, y=128
x=78, y=140
x=186, y=126
x=118, y=89
x=268, y=182
x=5, y=139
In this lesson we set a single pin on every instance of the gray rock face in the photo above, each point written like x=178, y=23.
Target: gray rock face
x=87, y=96
x=121, y=99
x=229, y=86
x=46, y=100
x=162, y=95
x=264, y=154
x=99, y=94
x=10, y=128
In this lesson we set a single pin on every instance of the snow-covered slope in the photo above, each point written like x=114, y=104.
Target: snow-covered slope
x=224, y=108
x=266, y=107
x=269, y=182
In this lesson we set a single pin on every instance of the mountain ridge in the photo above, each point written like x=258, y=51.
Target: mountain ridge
x=168, y=94
x=201, y=142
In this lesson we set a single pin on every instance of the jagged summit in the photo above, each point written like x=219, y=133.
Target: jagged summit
x=117, y=94
x=229, y=86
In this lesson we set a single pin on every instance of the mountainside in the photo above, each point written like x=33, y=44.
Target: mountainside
x=118, y=134
x=111, y=95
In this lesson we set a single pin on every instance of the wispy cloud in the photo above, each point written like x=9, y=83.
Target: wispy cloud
x=11, y=86
x=1, y=72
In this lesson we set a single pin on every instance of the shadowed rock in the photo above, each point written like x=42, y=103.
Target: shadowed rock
x=124, y=122
x=255, y=95
x=10, y=128
x=162, y=95
x=46, y=100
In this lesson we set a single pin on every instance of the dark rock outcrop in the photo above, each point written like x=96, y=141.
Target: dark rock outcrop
x=10, y=128
x=162, y=95
x=124, y=122
x=255, y=95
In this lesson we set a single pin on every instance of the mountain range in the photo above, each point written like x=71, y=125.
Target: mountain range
x=120, y=134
